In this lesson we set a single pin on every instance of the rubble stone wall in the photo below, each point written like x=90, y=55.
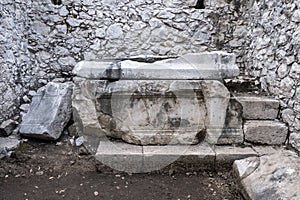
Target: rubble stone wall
x=273, y=56
x=41, y=41
x=15, y=72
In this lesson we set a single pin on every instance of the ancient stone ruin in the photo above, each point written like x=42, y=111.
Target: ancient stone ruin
x=147, y=85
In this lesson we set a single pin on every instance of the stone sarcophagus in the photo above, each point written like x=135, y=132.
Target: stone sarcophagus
x=172, y=101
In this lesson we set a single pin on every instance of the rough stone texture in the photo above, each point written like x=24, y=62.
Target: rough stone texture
x=41, y=41
x=265, y=150
x=7, y=145
x=232, y=131
x=15, y=71
x=265, y=132
x=141, y=112
x=154, y=111
x=272, y=56
x=259, y=107
x=226, y=155
x=49, y=112
x=7, y=127
x=295, y=141
x=207, y=65
x=275, y=176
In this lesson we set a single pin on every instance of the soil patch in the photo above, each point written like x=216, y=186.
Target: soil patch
x=49, y=171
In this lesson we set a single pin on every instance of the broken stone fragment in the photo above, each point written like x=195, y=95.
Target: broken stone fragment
x=7, y=145
x=273, y=176
x=7, y=127
x=49, y=112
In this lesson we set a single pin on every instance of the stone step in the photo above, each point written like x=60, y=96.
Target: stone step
x=142, y=159
x=265, y=132
x=258, y=107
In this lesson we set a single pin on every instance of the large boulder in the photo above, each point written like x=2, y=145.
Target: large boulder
x=274, y=176
x=49, y=112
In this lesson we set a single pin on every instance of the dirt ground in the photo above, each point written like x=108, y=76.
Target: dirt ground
x=41, y=170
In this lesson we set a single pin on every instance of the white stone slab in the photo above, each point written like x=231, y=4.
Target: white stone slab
x=208, y=65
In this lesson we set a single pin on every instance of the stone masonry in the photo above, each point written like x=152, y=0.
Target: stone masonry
x=41, y=42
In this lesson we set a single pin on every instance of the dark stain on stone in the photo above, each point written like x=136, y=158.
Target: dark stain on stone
x=199, y=95
x=201, y=135
x=167, y=106
x=200, y=4
x=113, y=72
x=174, y=122
x=104, y=103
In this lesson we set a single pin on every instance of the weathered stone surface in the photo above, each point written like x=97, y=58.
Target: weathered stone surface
x=265, y=150
x=226, y=155
x=259, y=107
x=213, y=65
x=295, y=140
x=191, y=158
x=265, y=132
x=156, y=112
x=141, y=159
x=120, y=156
x=224, y=119
x=7, y=127
x=142, y=112
x=232, y=131
x=216, y=98
x=8, y=144
x=275, y=176
x=49, y=112
x=84, y=111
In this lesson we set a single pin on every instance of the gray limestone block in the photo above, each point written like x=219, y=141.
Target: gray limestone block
x=272, y=176
x=259, y=107
x=265, y=132
x=49, y=112
x=7, y=127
